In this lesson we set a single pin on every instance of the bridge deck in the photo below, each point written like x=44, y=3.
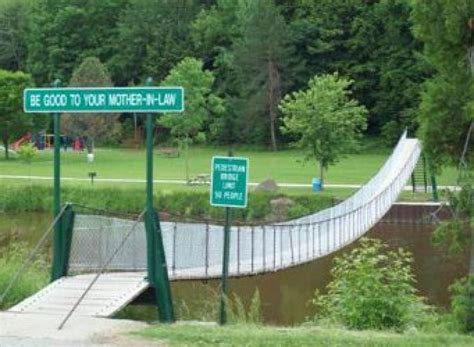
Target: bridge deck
x=109, y=294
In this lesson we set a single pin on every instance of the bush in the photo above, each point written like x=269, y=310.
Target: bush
x=372, y=289
x=462, y=303
x=34, y=278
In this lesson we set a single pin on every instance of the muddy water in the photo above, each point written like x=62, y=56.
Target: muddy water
x=285, y=294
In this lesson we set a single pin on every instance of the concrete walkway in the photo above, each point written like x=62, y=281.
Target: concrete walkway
x=38, y=330
x=168, y=181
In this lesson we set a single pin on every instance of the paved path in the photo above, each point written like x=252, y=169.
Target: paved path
x=167, y=181
x=40, y=330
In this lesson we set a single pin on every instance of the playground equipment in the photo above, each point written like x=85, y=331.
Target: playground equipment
x=103, y=261
x=25, y=138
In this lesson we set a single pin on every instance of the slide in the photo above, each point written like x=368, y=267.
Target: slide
x=16, y=145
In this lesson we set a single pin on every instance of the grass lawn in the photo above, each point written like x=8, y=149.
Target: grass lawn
x=286, y=166
x=249, y=335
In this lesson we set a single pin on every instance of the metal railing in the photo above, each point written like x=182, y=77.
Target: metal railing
x=194, y=250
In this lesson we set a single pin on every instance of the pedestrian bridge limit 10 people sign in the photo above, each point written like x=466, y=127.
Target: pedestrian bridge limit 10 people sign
x=229, y=181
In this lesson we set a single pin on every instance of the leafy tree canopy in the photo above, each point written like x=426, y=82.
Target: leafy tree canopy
x=91, y=73
x=324, y=119
x=447, y=108
x=13, y=122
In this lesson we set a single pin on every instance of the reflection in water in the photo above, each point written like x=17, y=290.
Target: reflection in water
x=285, y=294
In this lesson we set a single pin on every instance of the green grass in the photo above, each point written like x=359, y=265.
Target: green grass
x=254, y=335
x=33, y=278
x=286, y=166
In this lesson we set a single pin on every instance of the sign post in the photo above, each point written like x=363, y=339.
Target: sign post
x=112, y=100
x=57, y=267
x=228, y=189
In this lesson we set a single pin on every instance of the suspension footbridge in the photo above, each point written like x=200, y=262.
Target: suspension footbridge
x=115, y=248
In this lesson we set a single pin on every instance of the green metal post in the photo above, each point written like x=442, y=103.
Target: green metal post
x=434, y=187
x=156, y=260
x=67, y=225
x=56, y=271
x=225, y=263
x=425, y=174
x=225, y=268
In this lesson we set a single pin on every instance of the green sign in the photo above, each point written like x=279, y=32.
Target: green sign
x=103, y=100
x=229, y=181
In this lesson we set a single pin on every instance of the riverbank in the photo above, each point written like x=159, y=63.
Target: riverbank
x=255, y=335
x=192, y=204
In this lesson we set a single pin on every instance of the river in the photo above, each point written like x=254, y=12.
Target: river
x=285, y=294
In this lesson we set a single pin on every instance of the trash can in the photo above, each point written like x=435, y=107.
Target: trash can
x=317, y=185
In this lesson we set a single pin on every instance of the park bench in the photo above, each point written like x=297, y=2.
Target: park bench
x=169, y=152
x=200, y=179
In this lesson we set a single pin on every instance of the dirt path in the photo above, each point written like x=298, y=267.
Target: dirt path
x=37, y=330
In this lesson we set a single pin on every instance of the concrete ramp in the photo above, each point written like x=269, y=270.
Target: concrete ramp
x=108, y=295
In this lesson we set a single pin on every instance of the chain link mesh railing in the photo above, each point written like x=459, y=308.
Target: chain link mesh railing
x=194, y=250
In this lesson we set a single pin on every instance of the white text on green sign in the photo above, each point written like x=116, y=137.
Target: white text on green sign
x=103, y=100
x=229, y=181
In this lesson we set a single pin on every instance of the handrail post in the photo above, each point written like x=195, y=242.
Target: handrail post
x=252, y=231
x=173, y=266
x=274, y=248
x=264, y=240
x=207, y=250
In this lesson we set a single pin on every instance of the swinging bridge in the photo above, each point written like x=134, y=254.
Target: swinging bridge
x=105, y=260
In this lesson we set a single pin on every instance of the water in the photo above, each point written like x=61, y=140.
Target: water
x=285, y=294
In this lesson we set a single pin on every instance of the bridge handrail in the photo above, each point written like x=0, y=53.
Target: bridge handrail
x=194, y=250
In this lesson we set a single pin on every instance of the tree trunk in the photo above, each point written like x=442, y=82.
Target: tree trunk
x=321, y=174
x=5, y=144
x=471, y=262
x=273, y=98
x=90, y=145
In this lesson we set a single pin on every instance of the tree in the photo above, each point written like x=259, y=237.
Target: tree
x=326, y=122
x=261, y=56
x=63, y=33
x=446, y=29
x=447, y=119
x=370, y=42
x=153, y=36
x=200, y=103
x=214, y=32
x=13, y=122
x=91, y=73
x=14, y=20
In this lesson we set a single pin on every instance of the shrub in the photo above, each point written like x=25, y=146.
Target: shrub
x=34, y=278
x=462, y=303
x=372, y=289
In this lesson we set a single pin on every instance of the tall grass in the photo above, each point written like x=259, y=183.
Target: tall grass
x=204, y=306
x=33, y=279
x=178, y=205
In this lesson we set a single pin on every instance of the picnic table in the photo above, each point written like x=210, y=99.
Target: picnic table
x=169, y=152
